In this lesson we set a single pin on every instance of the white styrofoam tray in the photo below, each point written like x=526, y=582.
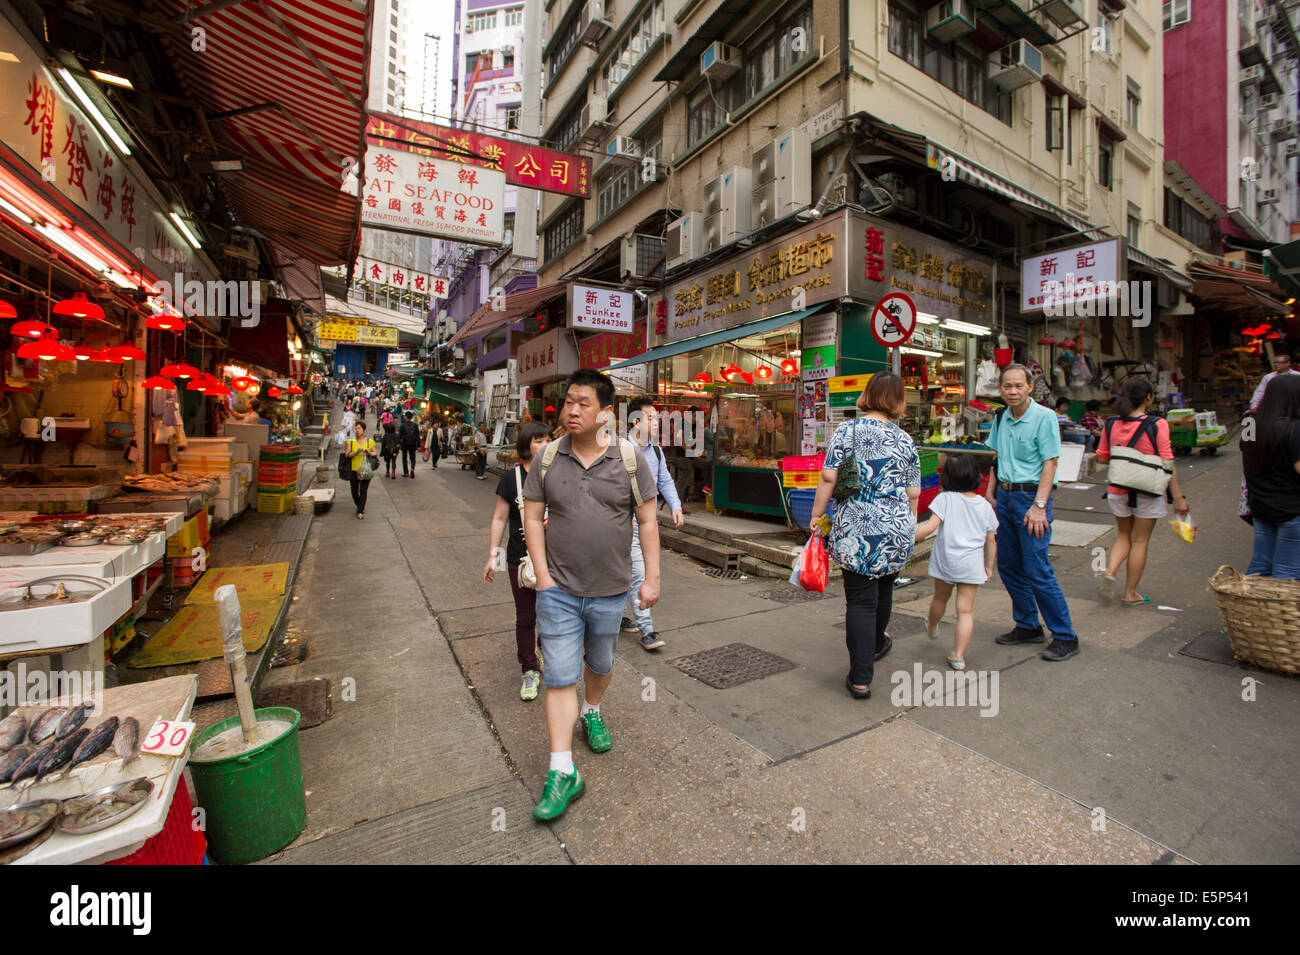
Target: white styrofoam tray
x=62, y=625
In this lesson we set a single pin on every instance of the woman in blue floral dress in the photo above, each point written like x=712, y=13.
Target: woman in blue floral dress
x=873, y=532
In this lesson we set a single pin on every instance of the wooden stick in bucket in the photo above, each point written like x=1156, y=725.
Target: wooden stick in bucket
x=232, y=637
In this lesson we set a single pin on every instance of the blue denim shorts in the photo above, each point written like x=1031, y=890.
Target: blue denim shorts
x=568, y=625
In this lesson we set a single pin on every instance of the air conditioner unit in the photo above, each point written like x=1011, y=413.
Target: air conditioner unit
x=1063, y=13
x=1268, y=197
x=1269, y=100
x=1283, y=129
x=1251, y=75
x=727, y=207
x=593, y=120
x=657, y=170
x=719, y=61
x=642, y=257
x=950, y=19
x=592, y=24
x=781, y=176
x=1015, y=65
x=684, y=240
x=624, y=149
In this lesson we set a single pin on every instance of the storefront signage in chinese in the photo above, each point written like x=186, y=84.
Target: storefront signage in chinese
x=1070, y=275
x=602, y=309
x=942, y=279
x=522, y=163
x=805, y=267
x=337, y=329
x=548, y=356
x=427, y=196
x=41, y=123
x=385, y=273
x=601, y=350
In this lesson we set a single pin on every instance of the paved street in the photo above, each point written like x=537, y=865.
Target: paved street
x=437, y=760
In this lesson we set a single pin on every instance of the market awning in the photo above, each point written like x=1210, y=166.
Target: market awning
x=446, y=392
x=770, y=324
x=517, y=304
x=283, y=84
x=1282, y=265
x=1249, y=294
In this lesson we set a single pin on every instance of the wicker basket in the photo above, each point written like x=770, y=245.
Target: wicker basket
x=1262, y=617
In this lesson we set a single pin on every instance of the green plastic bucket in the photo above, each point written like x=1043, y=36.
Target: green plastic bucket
x=254, y=803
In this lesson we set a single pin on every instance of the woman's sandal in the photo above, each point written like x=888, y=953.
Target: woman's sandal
x=1135, y=603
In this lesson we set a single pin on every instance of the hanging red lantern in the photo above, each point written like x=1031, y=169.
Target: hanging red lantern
x=704, y=376
x=7, y=311
x=219, y=390
x=763, y=373
x=197, y=384
x=78, y=307
x=47, y=349
x=31, y=328
x=273, y=392
x=85, y=352
x=241, y=383
x=746, y=377
x=295, y=390
x=180, y=370
x=165, y=322
x=789, y=367
x=158, y=383
x=100, y=356
x=124, y=353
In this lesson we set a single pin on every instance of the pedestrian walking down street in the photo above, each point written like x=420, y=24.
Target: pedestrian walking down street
x=1027, y=442
x=873, y=531
x=643, y=426
x=1271, y=464
x=964, y=553
x=582, y=558
x=389, y=448
x=480, y=452
x=409, y=433
x=509, y=517
x=358, y=449
x=433, y=443
x=1281, y=366
x=1135, y=512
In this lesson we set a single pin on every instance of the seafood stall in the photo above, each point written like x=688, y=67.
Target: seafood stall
x=89, y=777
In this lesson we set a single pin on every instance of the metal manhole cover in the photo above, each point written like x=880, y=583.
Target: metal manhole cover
x=723, y=574
x=732, y=665
x=789, y=595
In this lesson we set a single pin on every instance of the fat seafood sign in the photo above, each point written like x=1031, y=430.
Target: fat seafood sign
x=426, y=196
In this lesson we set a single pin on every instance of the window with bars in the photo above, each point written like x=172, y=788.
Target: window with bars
x=615, y=191
x=566, y=40
x=961, y=67
x=569, y=128
x=564, y=232
x=511, y=117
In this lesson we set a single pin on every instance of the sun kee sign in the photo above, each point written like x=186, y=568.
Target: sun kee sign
x=601, y=309
x=405, y=192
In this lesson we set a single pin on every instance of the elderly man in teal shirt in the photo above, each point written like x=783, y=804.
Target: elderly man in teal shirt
x=1027, y=440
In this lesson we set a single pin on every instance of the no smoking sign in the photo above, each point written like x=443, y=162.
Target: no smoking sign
x=893, y=319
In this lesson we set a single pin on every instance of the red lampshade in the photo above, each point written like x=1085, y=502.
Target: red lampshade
x=124, y=353
x=31, y=328
x=165, y=323
x=1272, y=335
x=789, y=367
x=704, y=376
x=101, y=356
x=47, y=349
x=1047, y=340
x=273, y=392
x=550, y=407
x=218, y=389
x=746, y=377
x=179, y=370
x=763, y=372
x=78, y=307
x=198, y=384
x=241, y=383
x=158, y=382
x=295, y=390
x=85, y=352
x=7, y=310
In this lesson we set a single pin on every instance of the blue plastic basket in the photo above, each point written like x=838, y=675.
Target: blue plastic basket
x=801, y=505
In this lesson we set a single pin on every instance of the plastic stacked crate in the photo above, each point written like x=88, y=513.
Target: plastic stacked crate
x=277, y=478
x=801, y=471
x=929, y=479
x=801, y=505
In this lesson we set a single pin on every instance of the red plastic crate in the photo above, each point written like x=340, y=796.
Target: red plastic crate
x=177, y=844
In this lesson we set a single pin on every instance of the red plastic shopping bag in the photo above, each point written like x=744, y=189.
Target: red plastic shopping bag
x=816, y=566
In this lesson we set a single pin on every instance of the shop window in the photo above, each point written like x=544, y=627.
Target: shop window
x=1176, y=13
x=961, y=67
x=1106, y=163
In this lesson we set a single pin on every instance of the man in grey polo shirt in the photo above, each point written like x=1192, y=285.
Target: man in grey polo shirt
x=582, y=556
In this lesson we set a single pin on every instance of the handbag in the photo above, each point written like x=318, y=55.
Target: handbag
x=527, y=575
x=345, y=465
x=1135, y=471
x=848, y=479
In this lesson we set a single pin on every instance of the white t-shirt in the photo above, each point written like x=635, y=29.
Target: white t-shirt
x=958, y=554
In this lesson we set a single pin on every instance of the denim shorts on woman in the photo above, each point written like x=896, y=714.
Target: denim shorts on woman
x=568, y=625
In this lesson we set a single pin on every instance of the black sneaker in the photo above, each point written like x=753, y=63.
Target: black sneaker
x=1021, y=635
x=652, y=641
x=1059, y=650
x=889, y=645
x=629, y=626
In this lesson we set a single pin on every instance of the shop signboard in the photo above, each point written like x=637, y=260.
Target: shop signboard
x=334, y=328
x=422, y=195
x=634, y=379
x=549, y=356
x=398, y=357
x=943, y=280
x=1073, y=275
x=602, y=350
x=42, y=124
x=385, y=273
x=797, y=271
x=523, y=164
x=844, y=391
x=601, y=309
x=817, y=360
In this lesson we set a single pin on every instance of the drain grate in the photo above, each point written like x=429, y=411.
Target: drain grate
x=789, y=595
x=723, y=574
x=290, y=652
x=725, y=667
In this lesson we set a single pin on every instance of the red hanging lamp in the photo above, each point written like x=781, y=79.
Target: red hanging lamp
x=179, y=370
x=165, y=322
x=31, y=328
x=100, y=355
x=789, y=367
x=197, y=384
x=241, y=383
x=78, y=307
x=47, y=349
x=273, y=392
x=158, y=383
x=124, y=353
x=705, y=377
x=84, y=351
x=7, y=310
x=218, y=389
x=764, y=372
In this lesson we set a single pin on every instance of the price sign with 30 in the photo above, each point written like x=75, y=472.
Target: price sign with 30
x=168, y=738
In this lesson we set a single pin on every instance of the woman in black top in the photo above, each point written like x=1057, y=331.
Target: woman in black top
x=389, y=448
x=532, y=438
x=1271, y=462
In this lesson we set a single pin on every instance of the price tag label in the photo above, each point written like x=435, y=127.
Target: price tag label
x=167, y=738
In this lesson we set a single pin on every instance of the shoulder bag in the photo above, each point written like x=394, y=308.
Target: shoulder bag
x=1135, y=471
x=848, y=479
x=527, y=575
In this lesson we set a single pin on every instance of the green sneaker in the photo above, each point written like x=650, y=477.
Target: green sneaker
x=559, y=791
x=541, y=664
x=532, y=680
x=598, y=738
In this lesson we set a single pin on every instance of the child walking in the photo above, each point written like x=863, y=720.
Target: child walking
x=965, y=552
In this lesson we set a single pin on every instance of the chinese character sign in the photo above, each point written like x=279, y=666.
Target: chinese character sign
x=602, y=350
x=1069, y=275
x=606, y=310
x=405, y=192
x=384, y=273
x=523, y=164
x=549, y=356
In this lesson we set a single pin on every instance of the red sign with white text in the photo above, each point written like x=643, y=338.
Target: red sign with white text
x=601, y=350
x=524, y=164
